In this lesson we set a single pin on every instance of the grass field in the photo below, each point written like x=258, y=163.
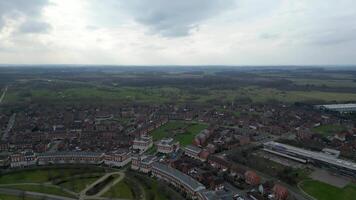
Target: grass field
x=324, y=82
x=63, y=92
x=10, y=197
x=323, y=191
x=120, y=190
x=152, y=188
x=78, y=184
x=40, y=189
x=42, y=175
x=328, y=130
x=90, y=93
x=182, y=131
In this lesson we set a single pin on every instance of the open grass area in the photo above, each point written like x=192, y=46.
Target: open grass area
x=151, y=188
x=324, y=82
x=43, y=175
x=41, y=189
x=182, y=131
x=78, y=184
x=96, y=94
x=11, y=197
x=120, y=190
x=258, y=94
x=323, y=191
x=89, y=92
x=329, y=129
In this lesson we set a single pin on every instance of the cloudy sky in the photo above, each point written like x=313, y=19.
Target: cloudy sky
x=181, y=32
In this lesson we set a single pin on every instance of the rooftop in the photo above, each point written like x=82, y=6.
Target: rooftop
x=193, y=148
x=183, y=178
x=339, y=106
x=166, y=141
x=314, y=155
x=71, y=153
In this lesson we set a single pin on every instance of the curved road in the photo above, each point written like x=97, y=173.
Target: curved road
x=82, y=194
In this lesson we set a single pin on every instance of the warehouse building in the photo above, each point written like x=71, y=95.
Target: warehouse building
x=341, y=108
x=320, y=159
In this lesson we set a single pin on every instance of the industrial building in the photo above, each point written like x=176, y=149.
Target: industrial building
x=320, y=159
x=341, y=108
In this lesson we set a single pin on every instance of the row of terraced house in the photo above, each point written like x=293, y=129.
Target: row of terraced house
x=112, y=159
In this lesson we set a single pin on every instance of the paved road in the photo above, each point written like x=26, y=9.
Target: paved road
x=32, y=194
x=3, y=95
x=10, y=124
x=83, y=195
x=44, y=184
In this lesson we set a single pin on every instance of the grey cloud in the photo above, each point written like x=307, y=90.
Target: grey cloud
x=34, y=27
x=175, y=18
x=31, y=9
x=269, y=36
x=331, y=37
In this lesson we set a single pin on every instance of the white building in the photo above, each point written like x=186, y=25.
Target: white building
x=192, y=151
x=178, y=179
x=117, y=158
x=167, y=146
x=143, y=143
x=342, y=108
x=70, y=158
x=143, y=163
x=23, y=159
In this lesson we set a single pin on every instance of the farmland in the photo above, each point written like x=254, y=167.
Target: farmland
x=116, y=86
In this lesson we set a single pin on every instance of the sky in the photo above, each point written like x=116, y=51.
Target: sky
x=182, y=32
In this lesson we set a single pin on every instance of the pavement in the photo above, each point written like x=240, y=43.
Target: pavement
x=3, y=95
x=10, y=125
x=33, y=194
x=329, y=178
x=82, y=194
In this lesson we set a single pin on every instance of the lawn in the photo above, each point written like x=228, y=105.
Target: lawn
x=120, y=190
x=182, y=131
x=40, y=189
x=63, y=92
x=43, y=175
x=153, y=188
x=11, y=197
x=324, y=82
x=323, y=191
x=78, y=184
x=329, y=129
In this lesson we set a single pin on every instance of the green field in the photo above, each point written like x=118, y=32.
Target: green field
x=182, y=131
x=41, y=189
x=329, y=130
x=64, y=92
x=43, y=175
x=120, y=190
x=323, y=191
x=99, y=94
x=10, y=197
x=324, y=82
x=78, y=184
